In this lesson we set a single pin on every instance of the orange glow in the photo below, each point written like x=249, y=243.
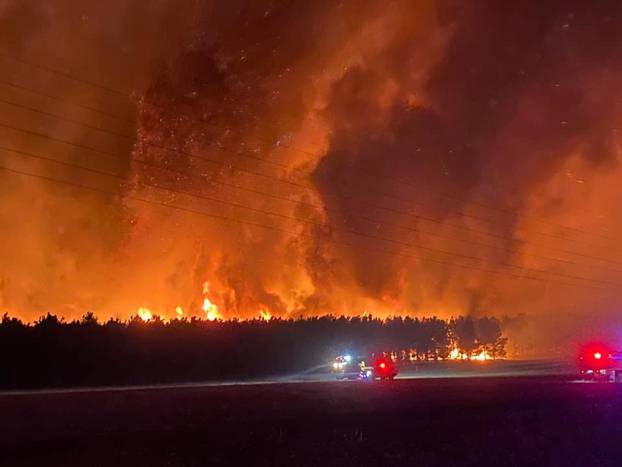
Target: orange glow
x=480, y=357
x=265, y=315
x=455, y=354
x=210, y=309
x=145, y=314
x=179, y=311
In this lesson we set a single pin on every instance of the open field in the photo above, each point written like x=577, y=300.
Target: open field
x=546, y=420
x=322, y=373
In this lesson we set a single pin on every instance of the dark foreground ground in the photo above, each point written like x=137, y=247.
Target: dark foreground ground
x=496, y=421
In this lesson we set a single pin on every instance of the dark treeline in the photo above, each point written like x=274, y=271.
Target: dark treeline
x=53, y=353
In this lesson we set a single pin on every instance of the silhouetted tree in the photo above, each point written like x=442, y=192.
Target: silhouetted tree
x=464, y=331
x=89, y=319
x=51, y=352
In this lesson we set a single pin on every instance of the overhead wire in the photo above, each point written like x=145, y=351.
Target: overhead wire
x=278, y=229
x=252, y=173
x=368, y=203
x=515, y=213
x=346, y=231
x=128, y=94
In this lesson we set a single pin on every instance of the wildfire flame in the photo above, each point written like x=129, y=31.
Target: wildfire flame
x=210, y=309
x=179, y=311
x=483, y=355
x=454, y=354
x=265, y=315
x=145, y=314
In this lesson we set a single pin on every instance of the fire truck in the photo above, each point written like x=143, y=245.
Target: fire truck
x=384, y=368
x=597, y=362
x=356, y=368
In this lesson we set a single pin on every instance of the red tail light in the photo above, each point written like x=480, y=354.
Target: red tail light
x=595, y=356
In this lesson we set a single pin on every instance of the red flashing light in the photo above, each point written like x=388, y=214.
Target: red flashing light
x=382, y=365
x=596, y=356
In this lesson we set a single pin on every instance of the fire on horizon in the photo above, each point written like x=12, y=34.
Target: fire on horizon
x=260, y=159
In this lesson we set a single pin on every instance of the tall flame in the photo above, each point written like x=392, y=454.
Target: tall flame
x=482, y=356
x=145, y=313
x=454, y=354
x=265, y=315
x=210, y=309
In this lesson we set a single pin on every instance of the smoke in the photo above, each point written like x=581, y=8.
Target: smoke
x=416, y=157
x=62, y=248
x=511, y=103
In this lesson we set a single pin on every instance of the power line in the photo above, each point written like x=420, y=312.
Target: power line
x=440, y=194
x=302, y=203
x=410, y=213
x=461, y=213
x=353, y=166
x=242, y=206
x=513, y=213
x=66, y=75
x=374, y=175
x=81, y=105
x=76, y=122
x=66, y=119
x=278, y=229
x=498, y=248
x=172, y=190
x=349, y=231
x=372, y=205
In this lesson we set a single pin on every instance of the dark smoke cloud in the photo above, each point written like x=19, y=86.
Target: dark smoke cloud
x=514, y=96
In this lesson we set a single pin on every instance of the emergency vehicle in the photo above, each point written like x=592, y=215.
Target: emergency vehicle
x=597, y=362
x=357, y=368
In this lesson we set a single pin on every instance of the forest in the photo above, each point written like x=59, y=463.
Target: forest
x=51, y=352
